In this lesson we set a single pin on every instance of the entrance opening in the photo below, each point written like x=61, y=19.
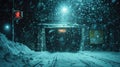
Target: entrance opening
x=63, y=39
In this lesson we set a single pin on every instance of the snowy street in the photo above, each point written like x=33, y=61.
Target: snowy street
x=81, y=59
x=13, y=54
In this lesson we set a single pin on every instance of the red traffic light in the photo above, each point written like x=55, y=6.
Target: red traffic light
x=18, y=14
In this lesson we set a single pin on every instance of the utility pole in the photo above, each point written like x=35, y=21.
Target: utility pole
x=13, y=33
x=16, y=16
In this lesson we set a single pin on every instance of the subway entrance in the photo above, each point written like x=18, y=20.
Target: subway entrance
x=63, y=39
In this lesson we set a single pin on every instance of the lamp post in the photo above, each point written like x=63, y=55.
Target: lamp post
x=13, y=21
x=16, y=16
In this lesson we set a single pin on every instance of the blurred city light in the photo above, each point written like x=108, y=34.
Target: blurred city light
x=6, y=27
x=64, y=10
x=62, y=30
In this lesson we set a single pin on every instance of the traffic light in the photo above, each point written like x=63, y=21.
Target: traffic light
x=18, y=14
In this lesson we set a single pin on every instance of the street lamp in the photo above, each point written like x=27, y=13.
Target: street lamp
x=64, y=13
x=64, y=10
x=7, y=27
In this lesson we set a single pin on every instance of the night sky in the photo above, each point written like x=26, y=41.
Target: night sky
x=45, y=11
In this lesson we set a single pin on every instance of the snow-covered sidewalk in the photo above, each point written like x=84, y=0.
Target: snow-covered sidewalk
x=18, y=55
x=80, y=59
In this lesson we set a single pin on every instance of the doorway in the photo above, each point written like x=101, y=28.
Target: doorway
x=63, y=39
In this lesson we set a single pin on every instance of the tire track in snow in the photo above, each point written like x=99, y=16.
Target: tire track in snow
x=107, y=61
x=74, y=61
x=51, y=63
x=39, y=64
x=54, y=62
x=87, y=62
x=113, y=63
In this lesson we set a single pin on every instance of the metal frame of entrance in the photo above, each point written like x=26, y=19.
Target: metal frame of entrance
x=41, y=45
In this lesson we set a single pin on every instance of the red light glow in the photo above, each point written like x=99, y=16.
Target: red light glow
x=17, y=14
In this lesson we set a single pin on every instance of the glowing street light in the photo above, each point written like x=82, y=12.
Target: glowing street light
x=64, y=10
x=7, y=27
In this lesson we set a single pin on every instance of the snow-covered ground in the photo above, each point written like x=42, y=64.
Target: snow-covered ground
x=18, y=55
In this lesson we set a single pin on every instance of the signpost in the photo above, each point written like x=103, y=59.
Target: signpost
x=16, y=16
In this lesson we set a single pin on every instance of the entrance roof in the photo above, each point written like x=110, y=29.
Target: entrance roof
x=46, y=25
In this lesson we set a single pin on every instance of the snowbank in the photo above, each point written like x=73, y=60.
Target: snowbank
x=12, y=47
x=11, y=53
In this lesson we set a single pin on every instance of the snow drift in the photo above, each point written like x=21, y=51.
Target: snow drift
x=7, y=46
x=11, y=53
